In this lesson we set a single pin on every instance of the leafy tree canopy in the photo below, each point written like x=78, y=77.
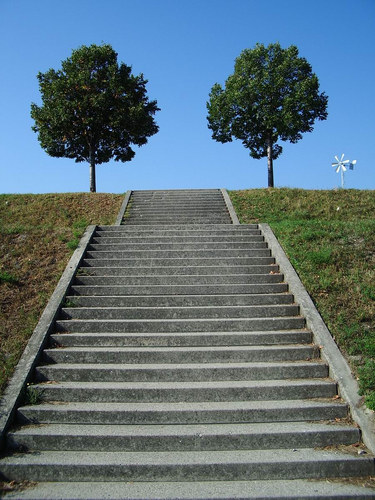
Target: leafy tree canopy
x=93, y=109
x=272, y=94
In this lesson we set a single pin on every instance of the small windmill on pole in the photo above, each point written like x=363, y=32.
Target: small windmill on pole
x=342, y=166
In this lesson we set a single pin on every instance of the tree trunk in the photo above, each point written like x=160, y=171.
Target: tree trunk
x=270, y=161
x=92, y=172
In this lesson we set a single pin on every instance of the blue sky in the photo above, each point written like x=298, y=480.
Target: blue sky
x=183, y=47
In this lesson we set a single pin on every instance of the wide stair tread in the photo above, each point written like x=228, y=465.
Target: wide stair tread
x=271, y=411
x=191, y=437
x=295, y=489
x=185, y=465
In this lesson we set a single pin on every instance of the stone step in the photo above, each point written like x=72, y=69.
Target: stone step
x=215, y=206
x=165, y=211
x=152, y=392
x=168, y=209
x=181, y=254
x=259, y=311
x=178, y=280
x=205, y=195
x=148, y=240
x=176, y=270
x=173, y=218
x=148, y=193
x=177, y=202
x=185, y=231
x=180, y=339
x=103, y=371
x=172, y=246
x=181, y=301
x=178, y=205
x=136, y=221
x=182, y=355
x=206, y=215
x=190, y=207
x=184, y=325
x=184, y=209
x=204, y=229
x=184, y=466
x=213, y=216
x=182, y=412
x=178, y=195
x=176, y=198
x=294, y=489
x=191, y=437
x=98, y=261
x=117, y=290
x=135, y=234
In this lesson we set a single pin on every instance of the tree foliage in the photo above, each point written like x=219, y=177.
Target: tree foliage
x=93, y=109
x=272, y=95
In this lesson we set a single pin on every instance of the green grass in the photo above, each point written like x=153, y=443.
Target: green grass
x=329, y=237
x=79, y=227
x=6, y=277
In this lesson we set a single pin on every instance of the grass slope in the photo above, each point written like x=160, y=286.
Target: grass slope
x=329, y=237
x=38, y=234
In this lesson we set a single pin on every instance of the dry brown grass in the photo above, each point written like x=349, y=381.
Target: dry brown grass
x=38, y=235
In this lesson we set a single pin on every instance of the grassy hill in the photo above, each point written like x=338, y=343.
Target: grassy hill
x=38, y=234
x=329, y=237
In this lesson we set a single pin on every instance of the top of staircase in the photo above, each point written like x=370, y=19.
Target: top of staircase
x=176, y=206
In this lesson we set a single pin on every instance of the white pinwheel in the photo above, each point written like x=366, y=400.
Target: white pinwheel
x=342, y=165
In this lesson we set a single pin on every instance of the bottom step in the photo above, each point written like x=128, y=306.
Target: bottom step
x=185, y=466
x=208, y=490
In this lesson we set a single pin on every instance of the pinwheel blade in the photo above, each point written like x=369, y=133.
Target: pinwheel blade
x=337, y=158
x=344, y=168
x=342, y=156
x=335, y=164
x=345, y=161
x=338, y=169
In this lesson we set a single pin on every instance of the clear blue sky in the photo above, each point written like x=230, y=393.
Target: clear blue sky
x=183, y=47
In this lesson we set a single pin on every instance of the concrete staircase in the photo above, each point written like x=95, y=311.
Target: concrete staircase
x=181, y=368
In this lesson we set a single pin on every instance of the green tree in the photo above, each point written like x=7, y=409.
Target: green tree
x=93, y=109
x=272, y=94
